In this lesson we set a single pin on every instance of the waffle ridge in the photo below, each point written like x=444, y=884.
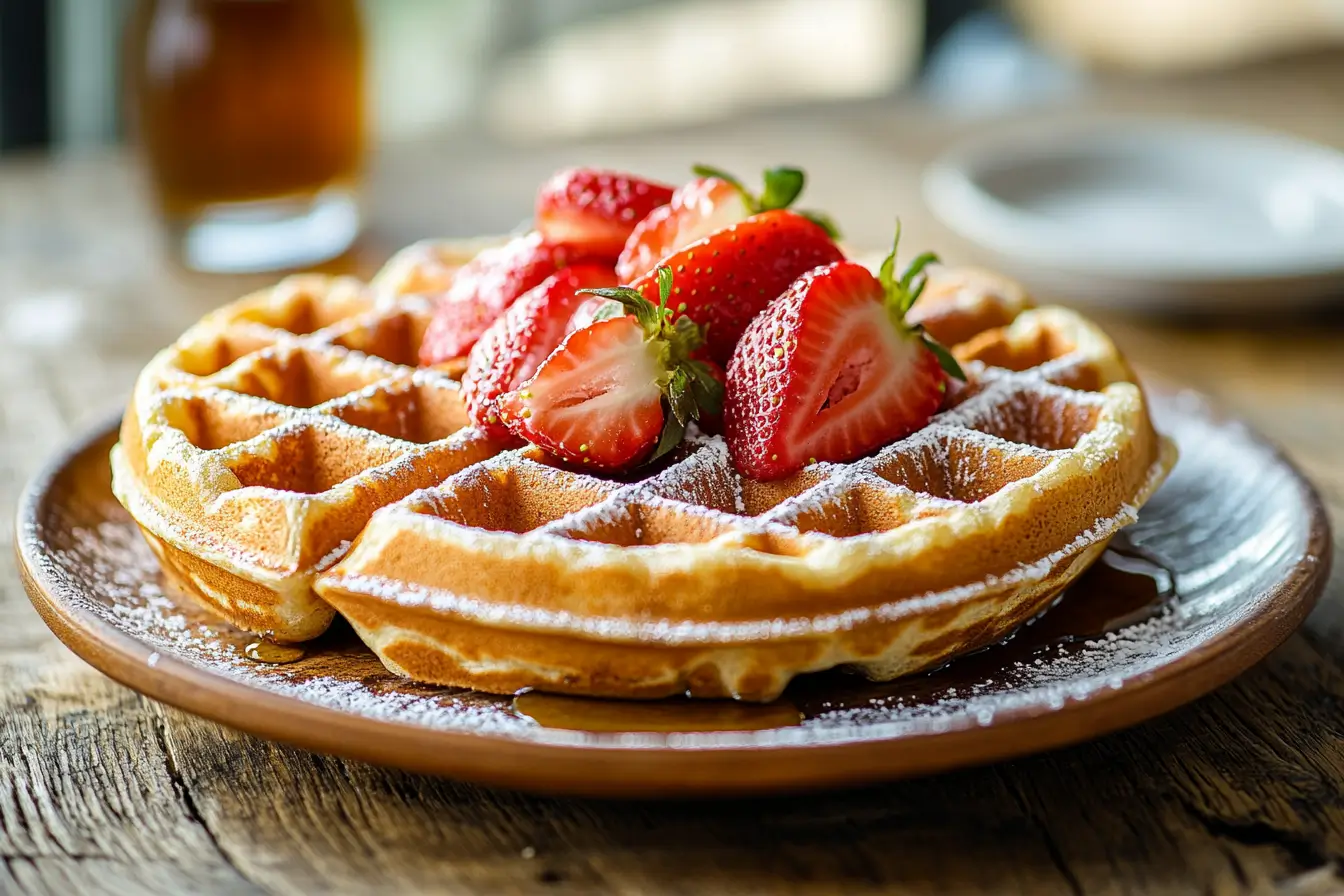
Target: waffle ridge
x=463, y=564
x=257, y=446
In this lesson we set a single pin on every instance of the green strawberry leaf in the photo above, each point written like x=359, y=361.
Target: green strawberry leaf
x=707, y=389
x=607, y=310
x=622, y=294
x=680, y=401
x=916, y=267
x=901, y=293
x=634, y=303
x=687, y=336
x=711, y=171
x=690, y=388
x=664, y=288
x=822, y=220
x=782, y=186
x=886, y=274
x=673, y=430
x=945, y=358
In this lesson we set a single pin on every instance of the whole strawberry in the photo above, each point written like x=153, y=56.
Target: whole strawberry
x=489, y=284
x=522, y=337
x=725, y=279
x=713, y=201
x=596, y=209
x=830, y=371
x=619, y=392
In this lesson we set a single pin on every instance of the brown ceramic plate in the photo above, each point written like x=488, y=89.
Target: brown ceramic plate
x=1223, y=564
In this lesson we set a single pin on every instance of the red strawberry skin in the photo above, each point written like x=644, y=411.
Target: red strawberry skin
x=727, y=278
x=825, y=374
x=595, y=401
x=596, y=209
x=489, y=284
x=516, y=344
x=692, y=213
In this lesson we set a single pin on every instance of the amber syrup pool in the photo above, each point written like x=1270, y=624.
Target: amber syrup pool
x=274, y=654
x=1126, y=586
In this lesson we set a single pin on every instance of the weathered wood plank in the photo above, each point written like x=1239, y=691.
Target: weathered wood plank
x=1239, y=791
x=88, y=802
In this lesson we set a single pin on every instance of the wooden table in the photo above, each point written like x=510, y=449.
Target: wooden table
x=1242, y=791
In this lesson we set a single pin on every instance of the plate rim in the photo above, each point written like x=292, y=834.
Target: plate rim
x=661, y=771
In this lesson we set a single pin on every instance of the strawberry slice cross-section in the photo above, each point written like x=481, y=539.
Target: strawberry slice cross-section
x=619, y=392
x=831, y=371
x=523, y=337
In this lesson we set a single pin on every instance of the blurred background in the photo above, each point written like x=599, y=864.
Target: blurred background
x=878, y=82
x=399, y=120
x=534, y=70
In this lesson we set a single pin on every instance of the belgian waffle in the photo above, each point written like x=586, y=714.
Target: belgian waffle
x=284, y=459
x=256, y=447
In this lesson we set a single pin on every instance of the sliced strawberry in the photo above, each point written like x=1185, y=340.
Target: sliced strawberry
x=711, y=202
x=831, y=371
x=522, y=337
x=725, y=279
x=487, y=285
x=596, y=400
x=586, y=314
x=619, y=392
x=596, y=209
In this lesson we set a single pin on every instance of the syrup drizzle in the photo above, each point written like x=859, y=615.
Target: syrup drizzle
x=273, y=654
x=1126, y=586
x=674, y=715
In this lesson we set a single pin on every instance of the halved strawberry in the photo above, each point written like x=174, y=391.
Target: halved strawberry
x=619, y=392
x=711, y=202
x=725, y=279
x=522, y=337
x=487, y=285
x=831, y=371
x=586, y=314
x=596, y=209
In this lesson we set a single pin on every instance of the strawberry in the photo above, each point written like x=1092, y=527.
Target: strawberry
x=711, y=202
x=725, y=279
x=831, y=371
x=486, y=286
x=596, y=209
x=586, y=313
x=522, y=337
x=619, y=392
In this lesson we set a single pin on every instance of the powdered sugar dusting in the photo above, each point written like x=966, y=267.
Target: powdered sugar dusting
x=1224, y=574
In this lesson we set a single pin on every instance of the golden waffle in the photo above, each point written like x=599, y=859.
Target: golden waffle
x=426, y=269
x=495, y=570
x=256, y=447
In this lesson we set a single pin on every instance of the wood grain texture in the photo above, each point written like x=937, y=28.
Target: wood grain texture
x=101, y=790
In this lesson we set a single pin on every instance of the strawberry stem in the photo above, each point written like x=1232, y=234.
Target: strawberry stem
x=783, y=185
x=690, y=389
x=903, y=292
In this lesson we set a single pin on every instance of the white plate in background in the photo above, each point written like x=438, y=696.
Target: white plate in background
x=1172, y=216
